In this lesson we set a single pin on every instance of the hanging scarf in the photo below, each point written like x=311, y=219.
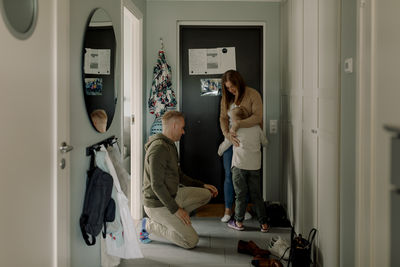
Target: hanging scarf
x=162, y=96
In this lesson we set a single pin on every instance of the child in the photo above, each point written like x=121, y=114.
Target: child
x=99, y=120
x=246, y=165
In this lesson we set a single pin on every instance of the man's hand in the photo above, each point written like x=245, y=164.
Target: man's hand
x=233, y=138
x=183, y=215
x=213, y=189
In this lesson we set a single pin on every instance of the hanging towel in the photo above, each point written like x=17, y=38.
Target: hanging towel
x=130, y=248
x=122, y=174
x=161, y=96
x=112, y=228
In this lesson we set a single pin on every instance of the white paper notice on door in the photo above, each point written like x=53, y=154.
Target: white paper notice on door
x=97, y=61
x=211, y=60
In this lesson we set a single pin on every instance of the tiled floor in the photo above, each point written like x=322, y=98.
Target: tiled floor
x=217, y=246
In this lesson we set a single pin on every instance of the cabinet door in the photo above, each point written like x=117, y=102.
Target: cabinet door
x=328, y=133
x=310, y=115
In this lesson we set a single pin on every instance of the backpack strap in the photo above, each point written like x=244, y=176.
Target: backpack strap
x=311, y=236
x=82, y=223
x=83, y=220
x=92, y=161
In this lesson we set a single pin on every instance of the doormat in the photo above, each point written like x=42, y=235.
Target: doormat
x=210, y=210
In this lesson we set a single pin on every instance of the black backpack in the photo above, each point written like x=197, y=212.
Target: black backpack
x=98, y=207
x=276, y=215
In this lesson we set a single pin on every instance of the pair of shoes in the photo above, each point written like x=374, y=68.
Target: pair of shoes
x=226, y=218
x=232, y=224
x=252, y=249
x=258, y=261
x=264, y=230
x=247, y=216
x=279, y=247
x=144, y=235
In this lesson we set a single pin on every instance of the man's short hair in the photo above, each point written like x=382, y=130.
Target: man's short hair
x=240, y=112
x=172, y=114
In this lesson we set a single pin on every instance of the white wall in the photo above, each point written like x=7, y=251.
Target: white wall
x=385, y=110
x=162, y=18
x=82, y=132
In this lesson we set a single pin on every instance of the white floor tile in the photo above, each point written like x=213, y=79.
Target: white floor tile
x=217, y=246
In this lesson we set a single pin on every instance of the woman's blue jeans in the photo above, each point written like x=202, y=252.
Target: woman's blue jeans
x=229, y=193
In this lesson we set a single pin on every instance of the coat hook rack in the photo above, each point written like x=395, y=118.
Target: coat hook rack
x=107, y=142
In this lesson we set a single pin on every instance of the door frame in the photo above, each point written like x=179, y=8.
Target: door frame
x=61, y=131
x=228, y=23
x=365, y=206
x=136, y=138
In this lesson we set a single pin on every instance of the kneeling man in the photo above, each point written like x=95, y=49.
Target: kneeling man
x=165, y=202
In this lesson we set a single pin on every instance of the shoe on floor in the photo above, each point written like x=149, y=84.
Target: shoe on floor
x=280, y=247
x=247, y=216
x=232, y=224
x=226, y=218
x=264, y=230
x=144, y=235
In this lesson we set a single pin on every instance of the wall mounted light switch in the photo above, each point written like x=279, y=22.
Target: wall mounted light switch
x=348, y=65
x=273, y=126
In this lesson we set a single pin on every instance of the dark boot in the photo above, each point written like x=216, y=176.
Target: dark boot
x=252, y=249
x=264, y=262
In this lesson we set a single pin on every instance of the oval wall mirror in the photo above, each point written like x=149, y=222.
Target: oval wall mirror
x=20, y=16
x=98, y=69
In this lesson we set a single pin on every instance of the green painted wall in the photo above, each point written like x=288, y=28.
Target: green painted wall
x=82, y=132
x=347, y=135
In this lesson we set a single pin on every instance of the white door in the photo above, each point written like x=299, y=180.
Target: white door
x=310, y=115
x=33, y=88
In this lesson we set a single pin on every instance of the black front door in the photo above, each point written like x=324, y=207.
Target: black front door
x=198, y=147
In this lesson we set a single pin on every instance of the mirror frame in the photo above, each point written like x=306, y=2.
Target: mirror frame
x=16, y=33
x=108, y=99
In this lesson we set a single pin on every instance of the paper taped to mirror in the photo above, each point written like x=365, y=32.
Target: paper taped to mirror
x=97, y=61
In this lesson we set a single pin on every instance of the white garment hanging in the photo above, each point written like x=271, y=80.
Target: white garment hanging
x=130, y=248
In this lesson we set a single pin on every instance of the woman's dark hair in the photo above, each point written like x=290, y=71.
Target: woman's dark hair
x=236, y=79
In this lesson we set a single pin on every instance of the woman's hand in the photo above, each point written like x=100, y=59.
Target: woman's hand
x=233, y=138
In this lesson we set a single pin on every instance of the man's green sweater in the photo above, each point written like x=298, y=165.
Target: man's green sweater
x=162, y=174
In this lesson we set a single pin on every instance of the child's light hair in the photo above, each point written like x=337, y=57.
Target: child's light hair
x=240, y=112
x=99, y=119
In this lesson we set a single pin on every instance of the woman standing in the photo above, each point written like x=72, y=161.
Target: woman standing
x=236, y=93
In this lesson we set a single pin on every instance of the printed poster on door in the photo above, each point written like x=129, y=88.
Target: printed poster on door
x=211, y=60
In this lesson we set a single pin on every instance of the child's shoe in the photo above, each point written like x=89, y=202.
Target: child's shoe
x=232, y=224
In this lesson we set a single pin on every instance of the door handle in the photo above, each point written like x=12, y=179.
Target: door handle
x=64, y=148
